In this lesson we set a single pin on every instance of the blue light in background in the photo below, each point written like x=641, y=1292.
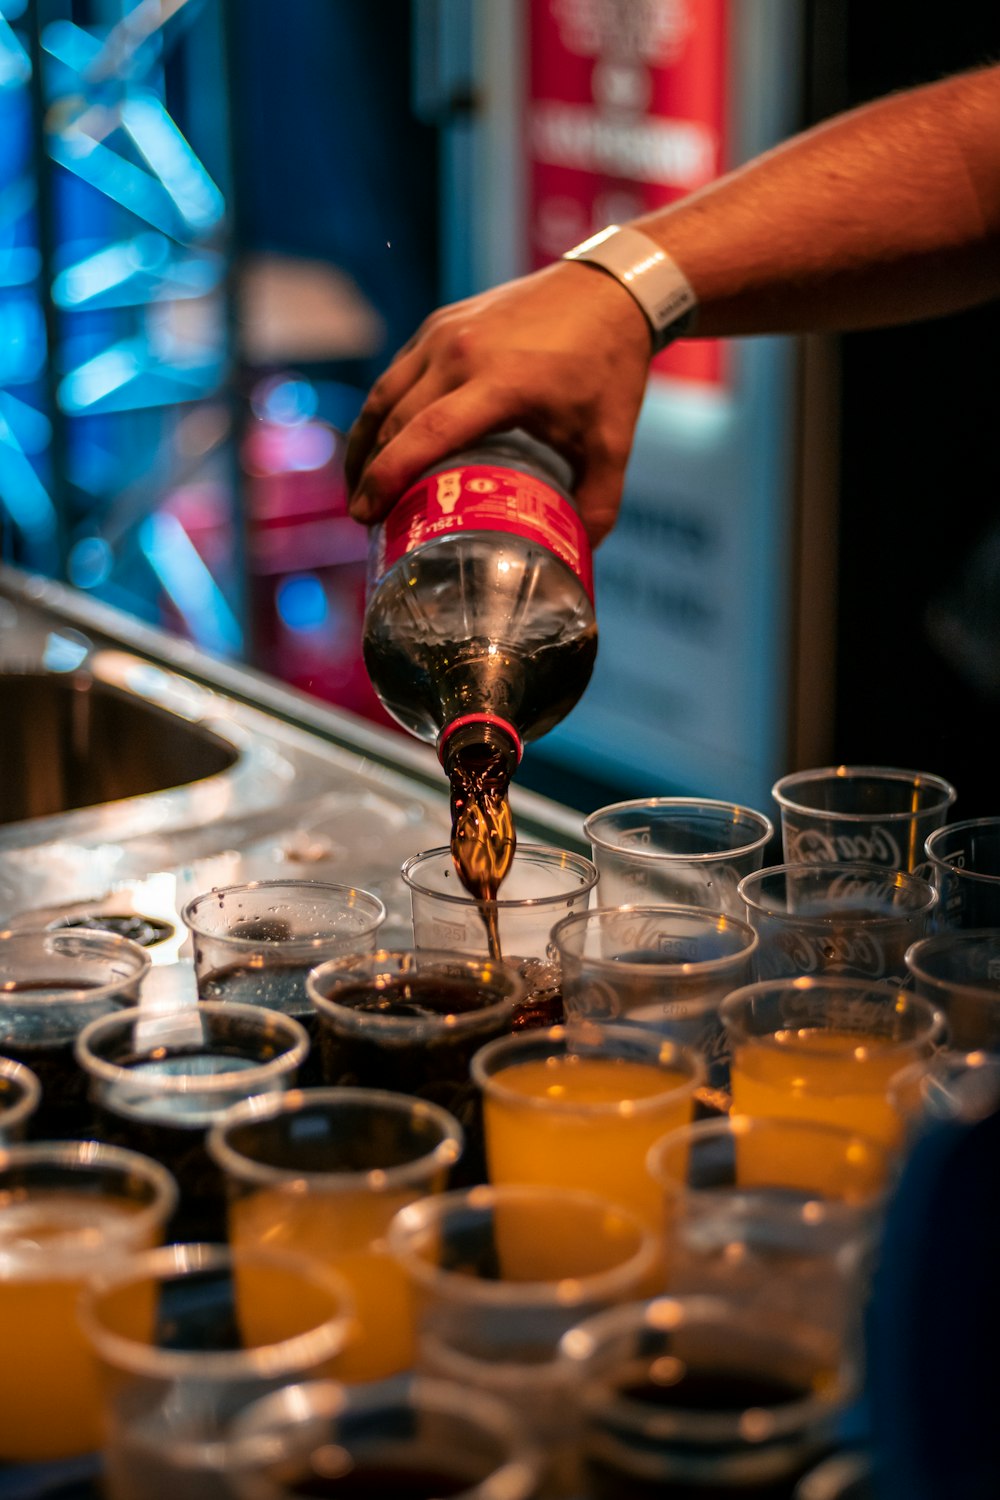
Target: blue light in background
x=90, y=562
x=302, y=603
x=287, y=402
x=188, y=583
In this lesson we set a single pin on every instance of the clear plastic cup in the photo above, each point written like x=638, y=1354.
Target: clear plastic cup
x=676, y=851
x=187, y=1336
x=500, y=1274
x=579, y=1106
x=322, y=1172
x=409, y=1021
x=20, y=1095
x=951, y=1085
x=826, y=1049
x=256, y=943
x=417, y=1436
x=663, y=967
x=959, y=972
x=965, y=867
x=68, y=1210
x=848, y=919
x=543, y=885
x=158, y=1081
x=777, y=1215
x=55, y=982
x=684, y=1395
x=875, y=814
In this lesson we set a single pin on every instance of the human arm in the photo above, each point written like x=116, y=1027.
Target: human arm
x=884, y=214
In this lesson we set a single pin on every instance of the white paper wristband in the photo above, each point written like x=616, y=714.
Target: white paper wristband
x=656, y=282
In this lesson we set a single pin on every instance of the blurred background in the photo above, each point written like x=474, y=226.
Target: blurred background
x=219, y=220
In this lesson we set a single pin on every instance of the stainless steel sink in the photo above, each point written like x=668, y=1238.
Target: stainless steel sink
x=72, y=741
x=136, y=772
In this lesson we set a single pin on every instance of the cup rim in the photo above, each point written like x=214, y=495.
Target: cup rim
x=832, y=1476
x=970, y=825
x=689, y=804
x=567, y=1291
x=684, y=1136
x=174, y=1262
x=795, y=779
x=295, y=887
x=567, y=857
x=672, y=1312
x=918, y=951
x=903, y=880
x=697, y=967
x=925, y=1071
x=734, y=1004
x=16, y=1114
x=178, y=1084
x=264, y=1107
x=628, y=1037
x=109, y=944
x=454, y=1024
x=321, y=1399
x=97, y=1154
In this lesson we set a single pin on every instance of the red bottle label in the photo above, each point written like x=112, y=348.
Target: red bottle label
x=485, y=497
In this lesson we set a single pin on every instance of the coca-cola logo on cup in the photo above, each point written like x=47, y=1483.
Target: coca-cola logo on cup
x=876, y=896
x=839, y=951
x=875, y=845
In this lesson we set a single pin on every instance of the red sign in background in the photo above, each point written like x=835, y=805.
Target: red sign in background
x=626, y=112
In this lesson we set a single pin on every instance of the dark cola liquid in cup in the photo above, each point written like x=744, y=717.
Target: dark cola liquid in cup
x=359, y=1047
x=370, y=1480
x=620, y=1467
x=63, y=1111
x=172, y=1129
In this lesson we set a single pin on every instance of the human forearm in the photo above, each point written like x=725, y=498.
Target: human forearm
x=884, y=214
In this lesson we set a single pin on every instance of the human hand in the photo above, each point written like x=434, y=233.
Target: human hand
x=562, y=353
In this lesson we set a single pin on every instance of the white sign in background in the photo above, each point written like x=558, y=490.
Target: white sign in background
x=690, y=692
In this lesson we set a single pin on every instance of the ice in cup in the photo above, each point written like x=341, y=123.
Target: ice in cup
x=322, y=1172
x=67, y=1211
x=580, y=1107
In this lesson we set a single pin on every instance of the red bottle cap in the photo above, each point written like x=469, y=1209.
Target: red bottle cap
x=493, y=719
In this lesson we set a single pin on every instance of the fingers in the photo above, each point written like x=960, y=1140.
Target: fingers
x=446, y=425
x=405, y=370
x=598, y=500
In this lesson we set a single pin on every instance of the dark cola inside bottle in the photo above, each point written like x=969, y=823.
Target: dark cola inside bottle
x=480, y=631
